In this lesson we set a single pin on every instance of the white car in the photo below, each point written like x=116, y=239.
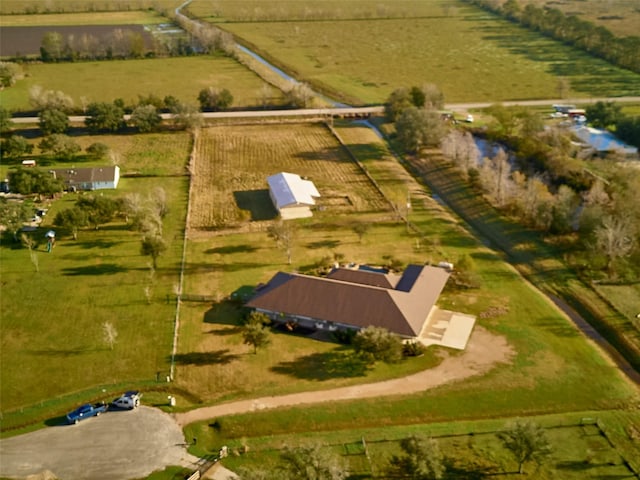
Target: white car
x=128, y=401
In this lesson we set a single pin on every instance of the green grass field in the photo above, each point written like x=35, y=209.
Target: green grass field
x=182, y=77
x=140, y=17
x=52, y=316
x=471, y=56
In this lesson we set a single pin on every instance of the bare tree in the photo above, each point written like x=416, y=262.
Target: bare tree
x=283, y=233
x=109, y=334
x=614, y=238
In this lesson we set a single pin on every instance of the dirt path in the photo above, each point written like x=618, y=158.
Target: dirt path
x=485, y=350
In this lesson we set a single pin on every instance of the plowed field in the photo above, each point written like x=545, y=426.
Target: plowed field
x=232, y=164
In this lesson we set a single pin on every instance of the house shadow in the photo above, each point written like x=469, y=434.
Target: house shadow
x=341, y=363
x=225, y=313
x=218, y=357
x=257, y=203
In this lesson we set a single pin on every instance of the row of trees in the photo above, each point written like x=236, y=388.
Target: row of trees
x=544, y=185
x=544, y=182
x=594, y=39
x=420, y=458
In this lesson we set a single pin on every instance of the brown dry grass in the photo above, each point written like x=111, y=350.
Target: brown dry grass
x=232, y=164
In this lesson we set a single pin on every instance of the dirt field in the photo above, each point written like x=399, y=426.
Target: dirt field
x=229, y=185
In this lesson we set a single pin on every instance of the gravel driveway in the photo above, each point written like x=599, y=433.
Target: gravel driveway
x=115, y=446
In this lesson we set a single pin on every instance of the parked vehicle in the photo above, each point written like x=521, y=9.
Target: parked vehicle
x=128, y=400
x=86, y=411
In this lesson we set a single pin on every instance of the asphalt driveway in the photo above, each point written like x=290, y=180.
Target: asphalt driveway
x=115, y=446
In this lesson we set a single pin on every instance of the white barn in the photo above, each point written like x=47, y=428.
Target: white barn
x=292, y=196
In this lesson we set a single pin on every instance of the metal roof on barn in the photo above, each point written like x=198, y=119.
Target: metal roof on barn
x=289, y=189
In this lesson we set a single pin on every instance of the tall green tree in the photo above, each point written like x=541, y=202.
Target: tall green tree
x=377, y=343
x=34, y=181
x=13, y=215
x=527, y=441
x=215, y=99
x=72, y=219
x=104, y=116
x=99, y=209
x=255, y=333
x=417, y=128
x=397, y=102
x=421, y=460
x=60, y=146
x=146, y=118
x=5, y=120
x=53, y=121
x=14, y=147
x=10, y=73
x=604, y=114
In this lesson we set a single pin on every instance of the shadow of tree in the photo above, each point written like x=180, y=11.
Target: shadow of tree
x=228, y=249
x=59, y=352
x=219, y=357
x=97, y=244
x=104, y=269
x=323, y=244
x=324, y=366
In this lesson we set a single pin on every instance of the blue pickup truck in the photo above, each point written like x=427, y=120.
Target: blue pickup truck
x=86, y=411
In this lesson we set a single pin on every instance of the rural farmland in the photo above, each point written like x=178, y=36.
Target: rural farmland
x=152, y=294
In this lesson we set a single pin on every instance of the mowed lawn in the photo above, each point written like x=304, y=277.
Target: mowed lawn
x=469, y=54
x=53, y=315
x=181, y=77
x=555, y=368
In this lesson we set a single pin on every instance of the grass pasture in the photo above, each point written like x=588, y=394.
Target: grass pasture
x=137, y=17
x=470, y=55
x=20, y=7
x=584, y=445
x=182, y=77
x=53, y=353
x=555, y=368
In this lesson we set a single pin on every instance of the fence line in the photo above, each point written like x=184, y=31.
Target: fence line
x=185, y=237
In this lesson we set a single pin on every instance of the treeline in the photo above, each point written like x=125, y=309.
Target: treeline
x=120, y=44
x=63, y=6
x=594, y=39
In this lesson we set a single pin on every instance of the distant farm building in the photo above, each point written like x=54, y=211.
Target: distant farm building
x=602, y=141
x=292, y=196
x=88, y=178
x=353, y=299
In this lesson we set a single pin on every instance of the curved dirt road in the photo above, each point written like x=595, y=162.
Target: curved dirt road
x=484, y=351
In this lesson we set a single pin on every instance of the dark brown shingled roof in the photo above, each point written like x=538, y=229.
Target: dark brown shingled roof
x=357, y=304
x=364, y=277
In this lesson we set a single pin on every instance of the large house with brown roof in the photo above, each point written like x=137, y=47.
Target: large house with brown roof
x=350, y=299
x=88, y=178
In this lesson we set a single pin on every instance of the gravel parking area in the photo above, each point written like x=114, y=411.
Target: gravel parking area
x=115, y=446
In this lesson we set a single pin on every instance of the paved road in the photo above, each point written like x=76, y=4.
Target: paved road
x=115, y=446
x=353, y=111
